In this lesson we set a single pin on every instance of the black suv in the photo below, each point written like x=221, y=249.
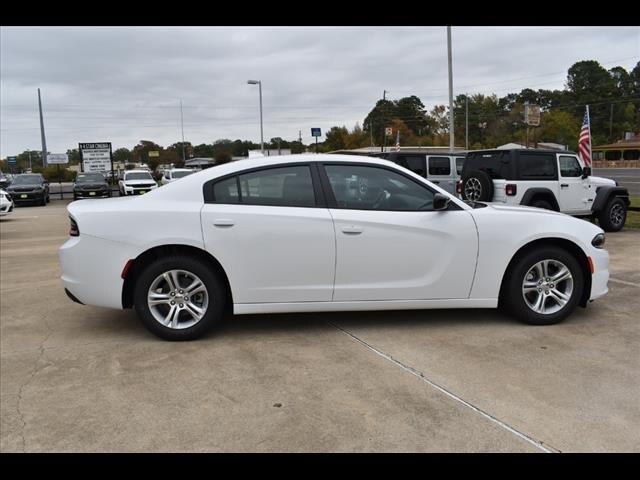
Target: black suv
x=91, y=185
x=29, y=188
x=555, y=180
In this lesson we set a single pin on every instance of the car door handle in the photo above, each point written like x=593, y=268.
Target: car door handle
x=564, y=185
x=224, y=222
x=435, y=181
x=352, y=230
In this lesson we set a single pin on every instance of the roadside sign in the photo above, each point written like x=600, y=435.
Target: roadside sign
x=315, y=132
x=154, y=153
x=532, y=115
x=388, y=131
x=96, y=157
x=12, y=160
x=57, y=158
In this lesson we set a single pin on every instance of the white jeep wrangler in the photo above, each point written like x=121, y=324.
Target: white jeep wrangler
x=544, y=179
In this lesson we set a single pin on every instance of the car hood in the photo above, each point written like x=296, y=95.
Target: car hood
x=520, y=208
x=139, y=182
x=601, y=181
x=27, y=185
x=90, y=185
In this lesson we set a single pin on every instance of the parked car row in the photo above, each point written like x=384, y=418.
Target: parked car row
x=546, y=179
x=6, y=203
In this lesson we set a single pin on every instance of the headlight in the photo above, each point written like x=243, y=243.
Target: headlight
x=598, y=241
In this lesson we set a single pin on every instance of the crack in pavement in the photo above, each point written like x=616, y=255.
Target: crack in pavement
x=539, y=444
x=34, y=372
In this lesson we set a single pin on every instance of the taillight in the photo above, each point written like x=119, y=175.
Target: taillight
x=459, y=186
x=511, y=189
x=74, y=231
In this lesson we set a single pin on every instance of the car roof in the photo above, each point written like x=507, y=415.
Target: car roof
x=529, y=150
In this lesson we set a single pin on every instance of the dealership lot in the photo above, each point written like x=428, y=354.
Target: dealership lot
x=79, y=378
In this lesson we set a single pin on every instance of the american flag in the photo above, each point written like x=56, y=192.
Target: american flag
x=398, y=140
x=584, y=142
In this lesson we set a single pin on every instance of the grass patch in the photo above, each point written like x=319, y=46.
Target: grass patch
x=633, y=218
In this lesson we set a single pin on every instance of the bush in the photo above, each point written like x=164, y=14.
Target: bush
x=51, y=173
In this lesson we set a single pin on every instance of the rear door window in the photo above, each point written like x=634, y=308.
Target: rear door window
x=439, y=166
x=537, y=166
x=459, y=164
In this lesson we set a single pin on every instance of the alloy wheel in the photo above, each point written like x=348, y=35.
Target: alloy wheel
x=547, y=287
x=473, y=189
x=178, y=299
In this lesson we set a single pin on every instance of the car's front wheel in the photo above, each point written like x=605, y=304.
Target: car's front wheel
x=179, y=298
x=613, y=217
x=544, y=286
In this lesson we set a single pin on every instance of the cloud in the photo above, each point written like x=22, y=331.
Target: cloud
x=123, y=84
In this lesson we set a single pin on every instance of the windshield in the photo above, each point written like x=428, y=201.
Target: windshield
x=27, y=179
x=89, y=177
x=180, y=174
x=138, y=176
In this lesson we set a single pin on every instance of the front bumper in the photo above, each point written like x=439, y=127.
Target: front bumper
x=600, y=275
x=138, y=190
x=27, y=197
x=6, y=207
x=91, y=194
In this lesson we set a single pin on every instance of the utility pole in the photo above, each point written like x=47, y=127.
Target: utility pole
x=451, y=129
x=44, y=141
x=384, y=135
x=526, y=122
x=466, y=121
x=611, y=124
x=182, y=126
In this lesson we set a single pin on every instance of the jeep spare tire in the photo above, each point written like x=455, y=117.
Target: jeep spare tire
x=477, y=186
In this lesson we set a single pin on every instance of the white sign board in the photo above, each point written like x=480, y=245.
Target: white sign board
x=388, y=131
x=57, y=158
x=532, y=115
x=96, y=157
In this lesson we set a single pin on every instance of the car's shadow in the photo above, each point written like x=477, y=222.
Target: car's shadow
x=126, y=323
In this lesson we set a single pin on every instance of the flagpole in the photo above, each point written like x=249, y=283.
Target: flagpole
x=590, y=140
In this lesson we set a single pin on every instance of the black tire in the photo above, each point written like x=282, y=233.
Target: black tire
x=43, y=202
x=478, y=186
x=614, y=215
x=214, y=286
x=540, y=203
x=48, y=199
x=513, y=296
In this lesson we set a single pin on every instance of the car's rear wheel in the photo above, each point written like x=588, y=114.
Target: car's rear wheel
x=544, y=286
x=179, y=298
x=613, y=217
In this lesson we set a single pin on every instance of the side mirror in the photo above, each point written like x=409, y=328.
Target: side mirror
x=440, y=202
x=586, y=172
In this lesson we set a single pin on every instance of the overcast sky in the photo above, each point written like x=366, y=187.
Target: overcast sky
x=125, y=84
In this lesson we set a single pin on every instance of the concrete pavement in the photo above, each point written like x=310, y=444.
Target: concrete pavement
x=75, y=378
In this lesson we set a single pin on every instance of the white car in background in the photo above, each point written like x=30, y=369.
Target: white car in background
x=174, y=174
x=319, y=233
x=6, y=203
x=136, y=182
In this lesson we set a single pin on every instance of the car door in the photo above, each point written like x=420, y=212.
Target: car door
x=271, y=234
x=440, y=172
x=573, y=194
x=390, y=244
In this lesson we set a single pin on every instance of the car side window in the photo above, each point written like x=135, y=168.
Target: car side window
x=373, y=188
x=278, y=187
x=415, y=163
x=439, y=166
x=459, y=165
x=226, y=191
x=537, y=166
x=569, y=166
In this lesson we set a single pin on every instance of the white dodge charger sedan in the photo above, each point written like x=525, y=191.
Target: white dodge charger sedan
x=310, y=233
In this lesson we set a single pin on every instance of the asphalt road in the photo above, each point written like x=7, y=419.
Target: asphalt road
x=627, y=177
x=75, y=378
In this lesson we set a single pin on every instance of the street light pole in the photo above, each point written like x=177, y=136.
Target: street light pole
x=182, y=127
x=451, y=133
x=259, y=83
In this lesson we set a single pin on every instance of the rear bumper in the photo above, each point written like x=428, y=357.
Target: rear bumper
x=91, y=269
